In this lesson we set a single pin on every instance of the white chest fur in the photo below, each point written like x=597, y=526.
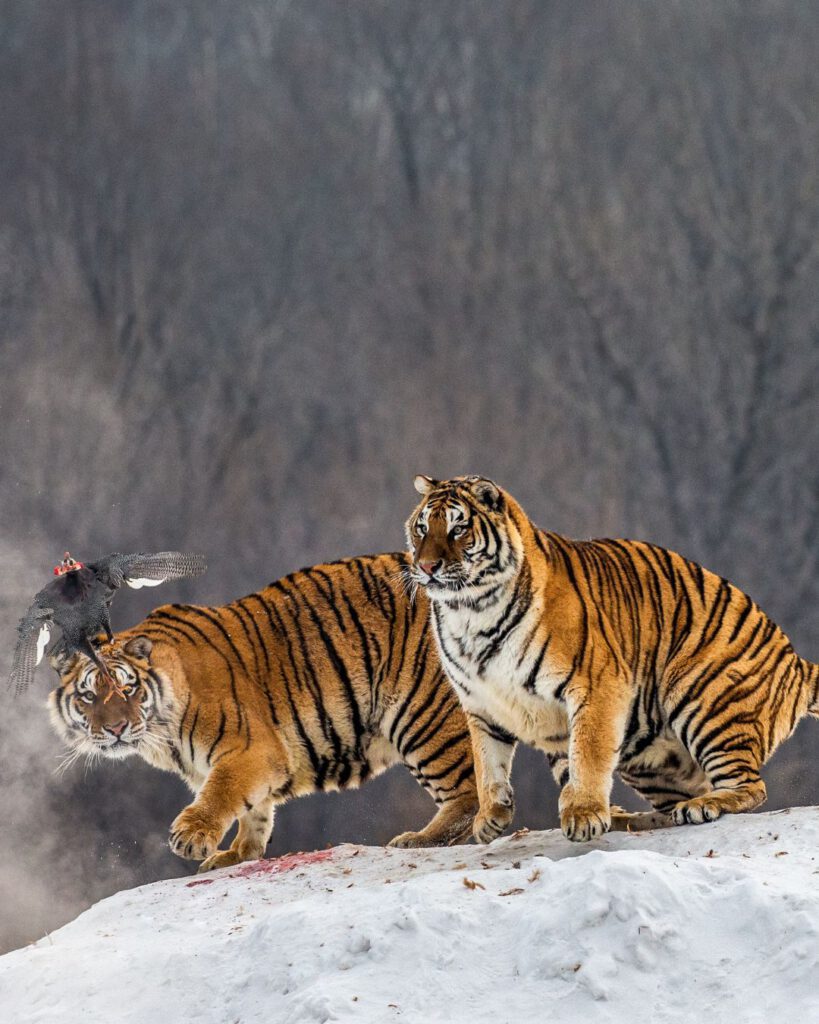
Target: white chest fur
x=510, y=682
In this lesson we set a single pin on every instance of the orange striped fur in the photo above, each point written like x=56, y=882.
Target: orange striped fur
x=317, y=682
x=605, y=654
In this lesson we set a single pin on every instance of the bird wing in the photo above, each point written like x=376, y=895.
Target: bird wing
x=144, y=570
x=33, y=635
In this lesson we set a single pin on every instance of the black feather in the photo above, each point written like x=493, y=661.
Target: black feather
x=78, y=603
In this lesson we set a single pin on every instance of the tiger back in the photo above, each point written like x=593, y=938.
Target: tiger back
x=318, y=682
x=605, y=654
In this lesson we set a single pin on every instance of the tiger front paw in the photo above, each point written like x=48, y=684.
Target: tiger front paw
x=194, y=836
x=220, y=859
x=409, y=841
x=495, y=816
x=583, y=820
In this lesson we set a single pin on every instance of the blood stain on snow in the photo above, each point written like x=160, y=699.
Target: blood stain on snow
x=278, y=865
x=274, y=866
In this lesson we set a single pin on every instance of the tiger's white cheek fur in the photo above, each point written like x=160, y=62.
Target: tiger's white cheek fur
x=72, y=732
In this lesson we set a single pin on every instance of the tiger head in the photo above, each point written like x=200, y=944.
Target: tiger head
x=115, y=727
x=462, y=538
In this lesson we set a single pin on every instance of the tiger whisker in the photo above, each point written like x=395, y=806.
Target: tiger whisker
x=407, y=578
x=68, y=760
x=153, y=743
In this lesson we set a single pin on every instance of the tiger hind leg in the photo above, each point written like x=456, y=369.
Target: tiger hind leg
x=447, y=773
x=452, y=824
x=664, y=774
x=737, y=787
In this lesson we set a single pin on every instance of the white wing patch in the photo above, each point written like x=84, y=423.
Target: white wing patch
x=136, y=584
x=42, y=642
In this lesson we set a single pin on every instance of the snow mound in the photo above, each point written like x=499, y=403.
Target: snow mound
x=714, y=922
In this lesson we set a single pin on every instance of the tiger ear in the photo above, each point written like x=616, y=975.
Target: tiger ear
x=61, y=659
x=139, y=647
x=424, y=484
x=487, y=493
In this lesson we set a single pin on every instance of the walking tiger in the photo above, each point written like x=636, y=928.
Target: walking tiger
x=317, y=682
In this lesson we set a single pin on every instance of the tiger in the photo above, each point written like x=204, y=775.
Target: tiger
x=317, y=682
x=606, y=655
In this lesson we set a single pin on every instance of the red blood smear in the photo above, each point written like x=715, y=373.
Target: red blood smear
x=276, y=866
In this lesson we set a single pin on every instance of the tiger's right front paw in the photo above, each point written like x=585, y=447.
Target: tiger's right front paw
x=492, y=819
x=583, y=819
x=193, y=835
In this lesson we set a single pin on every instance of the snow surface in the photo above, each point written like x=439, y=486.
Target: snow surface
x=702, y=923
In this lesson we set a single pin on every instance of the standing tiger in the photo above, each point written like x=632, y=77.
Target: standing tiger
x=317, y=682
x=604, y=654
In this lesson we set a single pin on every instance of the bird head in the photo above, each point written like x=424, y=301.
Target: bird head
x=68, y=564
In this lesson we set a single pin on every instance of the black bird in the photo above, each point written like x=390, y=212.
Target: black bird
x=79, y=602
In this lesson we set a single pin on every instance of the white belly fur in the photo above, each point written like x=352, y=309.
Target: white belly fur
x=534, y=719
x=500, y=694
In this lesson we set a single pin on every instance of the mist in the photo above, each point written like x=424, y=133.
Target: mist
x=261, y=263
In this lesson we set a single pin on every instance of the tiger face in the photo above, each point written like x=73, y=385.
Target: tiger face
x=119, y=726
x=461, y=538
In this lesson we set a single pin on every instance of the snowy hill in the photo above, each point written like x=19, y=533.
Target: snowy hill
x=716, y=923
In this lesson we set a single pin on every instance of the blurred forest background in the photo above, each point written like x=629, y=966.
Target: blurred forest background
x=263, y=260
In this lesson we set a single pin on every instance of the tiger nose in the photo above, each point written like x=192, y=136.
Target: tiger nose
x=430, y=568
x=117, y=727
